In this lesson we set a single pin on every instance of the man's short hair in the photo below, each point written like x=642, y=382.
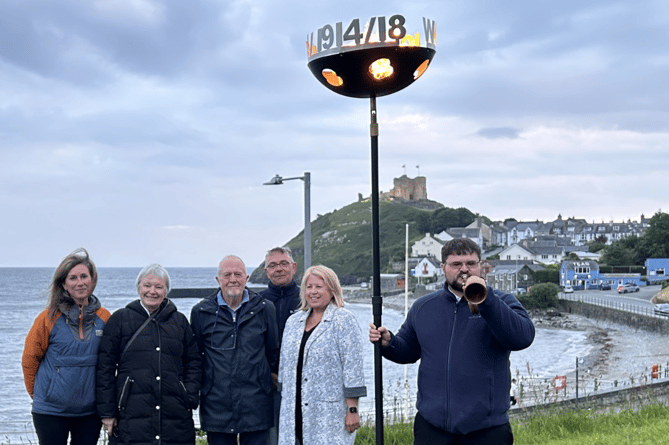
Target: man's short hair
x=285, y=250
x=460, y=246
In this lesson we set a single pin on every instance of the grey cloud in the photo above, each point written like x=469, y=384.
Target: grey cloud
x=499, y=132
x=58, y=38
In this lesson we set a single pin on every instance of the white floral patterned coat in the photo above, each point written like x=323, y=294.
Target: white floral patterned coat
x=332, y=371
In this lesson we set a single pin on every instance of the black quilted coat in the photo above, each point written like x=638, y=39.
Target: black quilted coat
x=154, y=388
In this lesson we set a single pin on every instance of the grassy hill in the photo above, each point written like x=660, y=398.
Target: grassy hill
x=342, y=239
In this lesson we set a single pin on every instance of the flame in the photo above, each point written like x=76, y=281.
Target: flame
x=421, y=69
x=311, y=49
x=410, y=40
x=332, y=78
x=395, y=33
x=381, y=69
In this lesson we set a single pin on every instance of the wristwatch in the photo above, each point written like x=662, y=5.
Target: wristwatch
x=352, y=409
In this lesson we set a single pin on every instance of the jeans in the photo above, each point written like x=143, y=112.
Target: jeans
x=427, y=434
x=54, y=430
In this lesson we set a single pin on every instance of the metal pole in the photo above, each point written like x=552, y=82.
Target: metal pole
x=307, y=220
x=406, y=311
x=376, y=271
x=577, y=382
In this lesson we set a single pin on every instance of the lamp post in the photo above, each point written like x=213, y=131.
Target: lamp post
x=278, y=180
x=370, y=61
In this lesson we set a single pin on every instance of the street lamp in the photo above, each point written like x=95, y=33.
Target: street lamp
x=377, y=59
x=278, y=180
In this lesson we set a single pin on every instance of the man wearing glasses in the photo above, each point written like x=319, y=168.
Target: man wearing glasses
x=284, y=292
x=237, y=335
x=463, y=376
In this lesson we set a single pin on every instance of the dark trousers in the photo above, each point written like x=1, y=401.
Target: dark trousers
x=273, y=435
x=250, y=438
x=425, y=433
x=54, y=430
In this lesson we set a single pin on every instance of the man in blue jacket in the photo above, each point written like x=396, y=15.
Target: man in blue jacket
x=284, y=293
x=236, y=332
x=463, y=376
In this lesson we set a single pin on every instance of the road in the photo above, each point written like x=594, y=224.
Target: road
x=634, y=302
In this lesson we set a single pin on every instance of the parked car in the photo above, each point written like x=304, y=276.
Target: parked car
x=568, y=289
x=605, y=286
x=628, y=287
x=662, y=309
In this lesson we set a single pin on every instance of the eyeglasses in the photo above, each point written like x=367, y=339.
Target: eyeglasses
x=459, y=264
x=283, y=264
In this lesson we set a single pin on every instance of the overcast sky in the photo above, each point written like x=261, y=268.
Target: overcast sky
x=143, y=130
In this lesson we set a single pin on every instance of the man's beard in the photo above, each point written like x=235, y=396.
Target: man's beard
x=233, y=292
x=455, y=284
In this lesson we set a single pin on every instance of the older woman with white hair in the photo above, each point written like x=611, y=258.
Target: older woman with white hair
x=149, y=368
x=320, y=369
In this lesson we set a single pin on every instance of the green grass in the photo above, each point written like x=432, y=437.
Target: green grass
x=647, y=425
x=396, y=434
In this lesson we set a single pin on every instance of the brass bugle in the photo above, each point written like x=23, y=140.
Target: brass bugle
x=475, y=292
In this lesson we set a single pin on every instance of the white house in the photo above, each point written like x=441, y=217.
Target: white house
x=516, y=252
x=427, y=246
x=521, y=231
x=539, y=253
x=428, y=267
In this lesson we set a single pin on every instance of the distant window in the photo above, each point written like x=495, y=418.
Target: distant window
x=616, y=228
x=659, y=272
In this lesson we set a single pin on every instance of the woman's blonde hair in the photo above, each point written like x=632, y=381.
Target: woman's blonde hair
x=331, y=282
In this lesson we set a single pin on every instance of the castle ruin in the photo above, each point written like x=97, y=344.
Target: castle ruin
x=407, y=189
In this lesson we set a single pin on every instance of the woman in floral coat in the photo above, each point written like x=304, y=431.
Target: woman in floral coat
x=320, y=370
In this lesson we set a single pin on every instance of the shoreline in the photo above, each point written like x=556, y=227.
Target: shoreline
x=602, y=344
x=596, y=362
x=618, y=354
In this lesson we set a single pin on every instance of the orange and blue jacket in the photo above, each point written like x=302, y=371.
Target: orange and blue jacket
x=60, y=357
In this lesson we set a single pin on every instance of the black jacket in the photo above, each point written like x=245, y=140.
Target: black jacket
x=154, y=388
x=286, y=300
x=238, y=356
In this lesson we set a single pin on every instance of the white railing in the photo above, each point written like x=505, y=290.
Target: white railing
x=608, y=303
x=534, y=390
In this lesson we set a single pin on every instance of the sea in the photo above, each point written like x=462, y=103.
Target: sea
x=23, y=292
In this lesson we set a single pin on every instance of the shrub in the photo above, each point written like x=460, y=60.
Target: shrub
x=541, y=296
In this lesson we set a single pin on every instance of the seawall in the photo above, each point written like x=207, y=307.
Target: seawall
x=634, y=396
x=658, y=325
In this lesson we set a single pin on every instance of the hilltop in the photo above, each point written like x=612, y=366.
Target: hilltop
x=342, y=239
